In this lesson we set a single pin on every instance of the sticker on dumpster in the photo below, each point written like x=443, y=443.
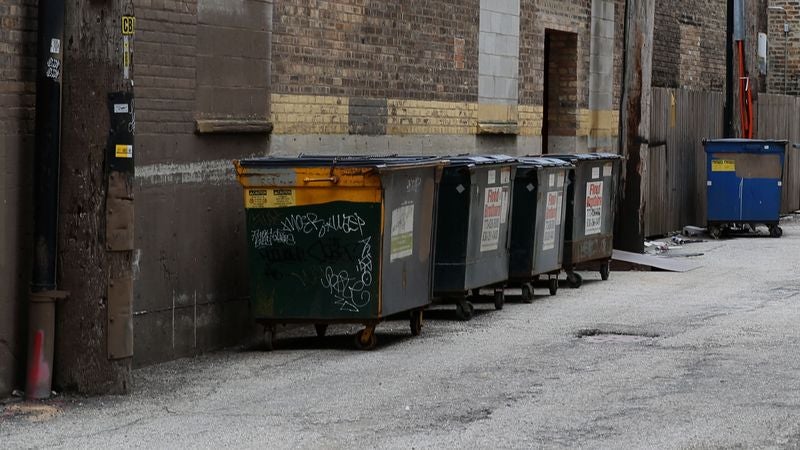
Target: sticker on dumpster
x=492, y=177
x=551, y=180
x=269, y=198
x=594, y=207
x=506, y=203
x=505, y=175
x=550, y=221
x=492, y=212
x=402, y=243
x=595, y=173
x=123, y=151
x=607, y=169
x=559, y=208
x=723, y=165
x=560, y=180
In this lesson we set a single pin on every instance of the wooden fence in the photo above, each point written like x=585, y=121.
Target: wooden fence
x=676, y=166
x=779, y=118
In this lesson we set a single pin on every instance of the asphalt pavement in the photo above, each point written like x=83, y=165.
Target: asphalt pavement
x=704, y=359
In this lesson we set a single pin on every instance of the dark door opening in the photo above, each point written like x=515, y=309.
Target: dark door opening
x=560, y=92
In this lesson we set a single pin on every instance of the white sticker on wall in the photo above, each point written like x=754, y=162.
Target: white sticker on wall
x=402, y=239
x=550, y=221
x=594, y=207
x=492, y=176
x=55, y=46
x=121, y=108
x=492, y=213
x=595, y=173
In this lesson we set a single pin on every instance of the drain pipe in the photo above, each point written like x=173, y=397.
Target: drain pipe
x=44, y=293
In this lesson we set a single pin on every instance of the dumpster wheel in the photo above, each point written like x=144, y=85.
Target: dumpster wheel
x=574, y=280
x=269, y=338
x=366, y=339
x=464, y=310
x=552, y=283
x=321, y=329
x=416, y=322
x=527, y=293
x=499, y=299
x=714, y=231
x=605, y=270
x=775, y=231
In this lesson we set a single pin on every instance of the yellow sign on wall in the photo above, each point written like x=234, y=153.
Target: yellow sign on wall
x=723, y=165
x=269, y=198
x=128, y=25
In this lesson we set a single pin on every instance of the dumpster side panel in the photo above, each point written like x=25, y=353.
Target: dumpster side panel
x=452, y=225
x=487, y=251
x=592, y=225
x=314, y=260
x=549, y=241
x=523, y=224
x=409, y=196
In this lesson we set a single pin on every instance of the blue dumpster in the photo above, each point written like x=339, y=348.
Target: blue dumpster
x=744, y=184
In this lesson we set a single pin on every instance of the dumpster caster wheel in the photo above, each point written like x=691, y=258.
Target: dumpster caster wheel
x=527, y=293
x=553, y=285
x=321, y=329
x=775, y=231
x=499, y=299
x=574, y=280
x=416, y=322
x=464, y=310
x=269, y=339
x=715, y=232
x=605, y=271
x=366, y=339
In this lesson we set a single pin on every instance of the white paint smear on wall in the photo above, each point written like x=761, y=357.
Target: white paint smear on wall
x=217, y=172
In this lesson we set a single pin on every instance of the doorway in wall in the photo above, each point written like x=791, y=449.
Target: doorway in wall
x=560, y=92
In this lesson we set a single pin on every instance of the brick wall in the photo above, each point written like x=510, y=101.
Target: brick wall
x=17, y=97
x=783, y=72
x=195, y=60
x=689, y=44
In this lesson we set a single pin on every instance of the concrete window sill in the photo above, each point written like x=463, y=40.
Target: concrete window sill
x=232, y=126
x=504, y=128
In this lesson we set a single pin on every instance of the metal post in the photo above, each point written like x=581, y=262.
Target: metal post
x=46, y=170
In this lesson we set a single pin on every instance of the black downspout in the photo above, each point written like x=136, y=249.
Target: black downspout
x=729, y=81
x=49, y=68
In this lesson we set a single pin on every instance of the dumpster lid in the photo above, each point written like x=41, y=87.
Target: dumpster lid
x=585, y=156
x=477, y=160
x=539, y=161
x=746, y=145
x=339, y=161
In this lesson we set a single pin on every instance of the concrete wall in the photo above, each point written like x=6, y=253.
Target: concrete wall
x=17, y=97
x=196, y=60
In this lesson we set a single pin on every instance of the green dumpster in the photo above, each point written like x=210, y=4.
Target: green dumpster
x=339, y=240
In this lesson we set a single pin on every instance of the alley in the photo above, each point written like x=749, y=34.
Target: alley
x=706, y=358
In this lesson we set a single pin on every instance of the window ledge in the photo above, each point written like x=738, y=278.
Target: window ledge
x=232, y=126
x=498, y=128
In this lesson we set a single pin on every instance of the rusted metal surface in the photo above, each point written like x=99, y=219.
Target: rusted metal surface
x=680, y=120
x=779, y=118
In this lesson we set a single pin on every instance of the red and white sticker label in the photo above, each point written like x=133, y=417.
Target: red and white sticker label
x=492, y=213
x=550, y=221
x=594, y=207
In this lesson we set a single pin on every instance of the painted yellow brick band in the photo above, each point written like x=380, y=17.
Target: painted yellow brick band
x=530, y=120
x=598, y=123
x=427, y=117
x=309, y=114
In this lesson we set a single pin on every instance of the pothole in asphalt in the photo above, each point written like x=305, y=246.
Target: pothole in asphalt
x=597, y=336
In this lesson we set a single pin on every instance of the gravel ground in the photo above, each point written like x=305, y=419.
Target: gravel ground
x=707, y=358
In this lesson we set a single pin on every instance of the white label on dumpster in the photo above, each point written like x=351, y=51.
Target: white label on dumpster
x=492, y=213
x=560, y=180
x=595, y=173
x=492, y=177
x=560, y=208
x=506, y=203
x=402, y=242
x=607, y=169
x=594, y=207
x=551, y=180
x=550, y=220
x=505, y=175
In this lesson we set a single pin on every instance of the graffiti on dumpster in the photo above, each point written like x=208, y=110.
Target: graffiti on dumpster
x=594, y=207
x=327, y=254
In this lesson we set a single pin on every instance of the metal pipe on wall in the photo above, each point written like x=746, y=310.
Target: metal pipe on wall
x=49, y=69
